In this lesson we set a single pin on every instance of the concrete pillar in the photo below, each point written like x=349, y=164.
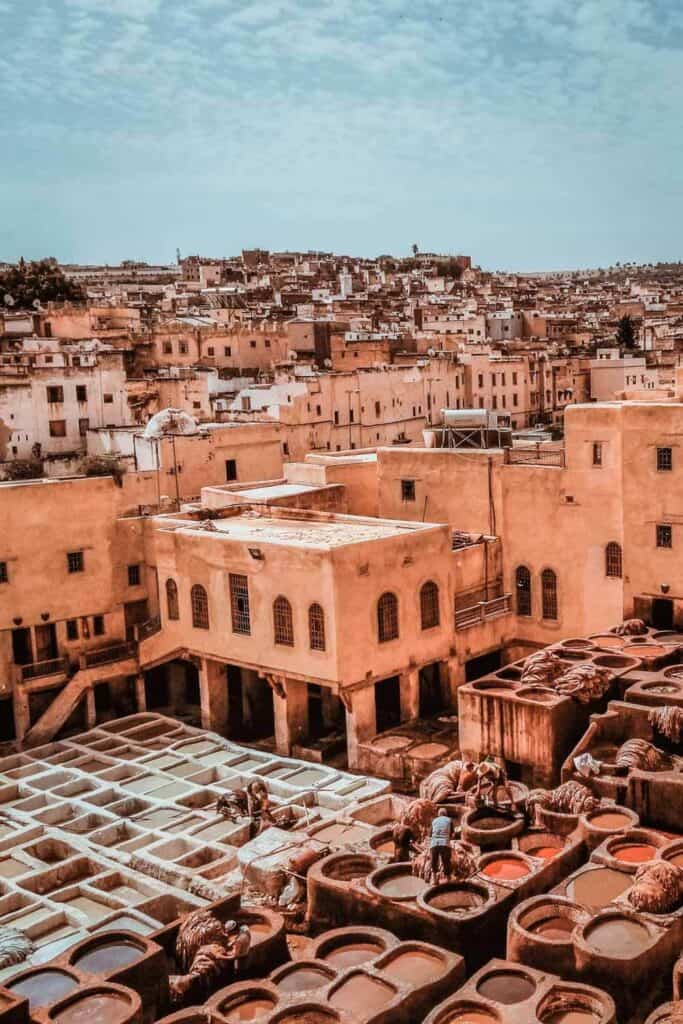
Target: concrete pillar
x=455, y=673
x=140, y=693
x=361, y=721
x=90, y=709
x=291, y=716
x=213, y=692
x=410, y=694
x=176, y=678
x=22, y=716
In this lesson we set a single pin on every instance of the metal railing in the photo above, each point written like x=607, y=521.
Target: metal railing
x=51, y=667
x=148, y=628
x=466, y=617
x=535, y=455
x=117, y=652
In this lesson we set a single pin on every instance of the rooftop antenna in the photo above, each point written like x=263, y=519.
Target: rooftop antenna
x=177, y=256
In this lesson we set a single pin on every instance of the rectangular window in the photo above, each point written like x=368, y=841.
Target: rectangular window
x=98, y=625
x=252, y=344
x=502, y=379
x=168, y=348
x=239, y=604
x=108, y=399
x=134, y=575
x=350, y=415
x=227, y=351
x=72, y=629
x=230, y=469
x=211, y=350
x=83, y=426
x=81, y=393
x=514, y=377
x=514, y=398
x=75, y=561
x=665, y=461
x=4, y=575
x=664, y=536
x=378, y=409
x=55, y=394
x=597, y=453
x=57, y=428
x=336, y=416
x=318, y=410
x=481, y=380
x=183, y=348
x=408, y=490
x=493, y=380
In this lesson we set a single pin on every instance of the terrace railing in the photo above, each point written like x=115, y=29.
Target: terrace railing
x=535, y=455
x=465, y=618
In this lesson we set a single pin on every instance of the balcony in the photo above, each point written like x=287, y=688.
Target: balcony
x=108, y=655
x=465, y=618
x=535, y=455
x=50, y=667
x=148, y=628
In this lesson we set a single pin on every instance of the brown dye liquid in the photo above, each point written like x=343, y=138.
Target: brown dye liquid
x=457, y=900
x=556, y=927
x=544, y=852
x=490, y=823
x=618, y=935
x=507, y=987
x=610, y=640
x=401, y=886
x=44, y=987
x=413, y=967
x=108, y=957
x=249, y=1009
x=103, y=1008
x=645, y=650
x=352, y=954
x=425, y=751
x=635, y=853
x=610, y=819
x=599, y=886
x=259, y=927
x=303, y=980
x=386, y=847
x=677, y=859
x=572, y=1017
x=362, y=995
x=506, y=868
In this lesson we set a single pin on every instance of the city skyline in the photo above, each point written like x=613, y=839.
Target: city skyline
x=534, y=136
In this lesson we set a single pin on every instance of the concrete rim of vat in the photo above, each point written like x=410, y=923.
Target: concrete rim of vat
x=617, y=662
x=672, y=672
x=446, y=1013
x=400, y=869
x=674, y=848
x=482, y=685
x=582, y=934
x=348, y=977
x=582, y=997
x=634, y=837
x=366, y=934
x=541, y=908
x=412, y=946
x=506, y=971
x=310, y=964
x=557, y=822
x=128, y=995
x=589, y=820
x=540, y=837
x=476, y=889
x=664, y=1014
x=511, y=826
x=343, y=867
x=537, y=693
x=578, y=643
x=89, y=945
x=232, y=996
x=301, y=1012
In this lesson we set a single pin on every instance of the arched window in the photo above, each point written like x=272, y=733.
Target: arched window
x=387, y=617
x=613, y=559
x=316, y=627
x=172, y=609
x=283, y=624
x=549, y=594
x=429, y=604
x=523, y=590
x=200, y=607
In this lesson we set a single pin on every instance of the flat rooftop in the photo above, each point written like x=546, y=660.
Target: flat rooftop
x=275, y=491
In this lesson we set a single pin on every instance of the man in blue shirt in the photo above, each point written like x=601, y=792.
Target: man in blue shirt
x=440, y=844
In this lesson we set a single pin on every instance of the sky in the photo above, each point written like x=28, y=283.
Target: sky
x=529, y=134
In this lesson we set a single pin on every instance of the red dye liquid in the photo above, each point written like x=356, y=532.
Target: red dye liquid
x=635, y=854
x=506, y=868
x=546, y=852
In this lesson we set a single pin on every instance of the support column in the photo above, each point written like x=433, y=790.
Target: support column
x=291, y=716
x=176, y=680
x=90, y=709
x=361, y=721
x=409, y=683
x=213, y=692
x=140, y=693
x=455, y=673
x=22, y=715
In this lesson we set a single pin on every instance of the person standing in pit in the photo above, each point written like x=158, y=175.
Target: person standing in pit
x=404, y=840
x=442, y=827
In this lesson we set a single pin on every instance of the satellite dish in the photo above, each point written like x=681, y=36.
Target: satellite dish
x=8, y=300
x=36, y=303
x=292, y=356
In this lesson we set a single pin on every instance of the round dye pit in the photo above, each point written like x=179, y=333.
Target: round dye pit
x=677, y=859
x=389, y=743
x=413, y=967
x=490, y=822
x=96, y=1008
x=362, y=994
x=507, y=987
x=428, y=751
x=610, y=820
x=645, y=650
x=108, y=956
x=397, y=882
x=247, y=1006
x=556, y=927
x=471, y=1015
x=598, y=886
x=385, y=846
x=44, y=987
x=346, y=866
x=609, y=640
x=307, y=1015
x=543, y=852
x=452, y=898
x=617, y=936
x=661, y=689
x=351, y=954
x=304, y=978
x=634, y=853
x=571, y=1016
x=506, y=868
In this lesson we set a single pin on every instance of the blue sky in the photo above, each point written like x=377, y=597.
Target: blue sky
x=531, y=134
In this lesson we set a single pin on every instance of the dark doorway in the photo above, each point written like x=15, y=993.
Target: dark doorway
x=259, y=698
x=135, y=613
x=7, y=730
x=431, y=695
x=156, y=688
x=21, y=646
x=192, y=695
x=662, y=613
x=46, y=642
x=235, y=709
x=102, y=699
x=388, y=703
x=481, y=666
x=316, y=724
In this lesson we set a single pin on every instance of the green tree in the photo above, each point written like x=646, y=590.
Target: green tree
x=626, y=333
x=41, y=280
